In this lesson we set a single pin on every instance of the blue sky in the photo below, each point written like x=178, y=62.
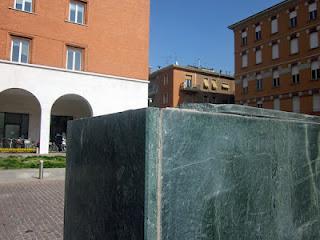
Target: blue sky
x=189, y=30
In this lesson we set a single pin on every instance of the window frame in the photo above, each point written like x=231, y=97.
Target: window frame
x=293, y=18
x=258, y=55
x=274, y=25
x=258, y=32
x=244, y=38
x=75, y=49
x=77, y=3
x=312, y=13
x=315, y=72
x=244, y=54
x=21, y=39
x=293, y=40
x=276, y=104
x=245, y=85
x=23, y=6
x=275, y=44
x=259, y=82
x=296, y=104
x=295, y=74
x=316, y=102
x=275, y=79
x=314, y=33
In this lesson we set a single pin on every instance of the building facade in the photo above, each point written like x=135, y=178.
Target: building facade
x=66, y=59
x=174, y=85
x=277, y=58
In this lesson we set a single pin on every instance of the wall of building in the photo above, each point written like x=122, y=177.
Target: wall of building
x=22, y=102
x=169, y=83
x=115, y=36
x=105, y=94
x=197, y=81
x=303, y=59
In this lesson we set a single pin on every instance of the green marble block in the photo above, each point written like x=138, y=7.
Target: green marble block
x=201, y=172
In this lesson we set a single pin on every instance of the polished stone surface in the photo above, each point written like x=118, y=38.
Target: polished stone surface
x=202, y=172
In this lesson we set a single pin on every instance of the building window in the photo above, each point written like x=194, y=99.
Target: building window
x=74, y=59
x=316, y=103
x=315, y=70
x=274, y=25
x=76, y=12
x=293, y=18
x=244, y=38
x=245, y=85
x=296, y=104
x=258, y=32
x=165, y=98
x=275, y=78
x=165, y=79
x=244, y=59
x=276, y=104
x=259, y=81
x=295, y=74
x=294, y=45
x=20, y=50
x=214, y=84
x=188, y=81
x=225, y=87
x=206, y=83
x=259, y=104
x=258, y=55
x=312, y=10
x=314, y=39
x=275, y=50
x=23, y=5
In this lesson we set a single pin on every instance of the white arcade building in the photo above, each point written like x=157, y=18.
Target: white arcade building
x=35, y=100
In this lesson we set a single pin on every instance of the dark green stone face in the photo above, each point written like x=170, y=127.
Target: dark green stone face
x=202, y=172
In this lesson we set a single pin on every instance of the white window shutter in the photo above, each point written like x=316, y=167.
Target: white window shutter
x=258, y=56
x=295, y=70
x=315, y=65
x=293, y=14
x=258, y=28
x=312, y=7
x=274, y=26
x=245, y=83
x=316, y=103
x=294, y=46
x=296, y=104
x=314, y=40
x=276, y=104
x=244, y=34
x=244, y=60
x=275, y=51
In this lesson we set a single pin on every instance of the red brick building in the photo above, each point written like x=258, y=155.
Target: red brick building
x=67, y=59
x=277, y=58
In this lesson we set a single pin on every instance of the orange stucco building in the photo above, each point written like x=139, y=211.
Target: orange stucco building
x=277, y=58
x=113, y=35
x=174, y=85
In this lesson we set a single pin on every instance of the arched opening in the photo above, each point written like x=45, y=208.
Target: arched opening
x=66, y=108
x=20, y=113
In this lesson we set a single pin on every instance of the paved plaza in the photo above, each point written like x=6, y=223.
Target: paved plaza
x=31, y=209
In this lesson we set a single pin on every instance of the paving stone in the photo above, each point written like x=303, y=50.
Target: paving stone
x=31, y=210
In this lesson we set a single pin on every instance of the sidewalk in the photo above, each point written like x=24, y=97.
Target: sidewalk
x=23, y=175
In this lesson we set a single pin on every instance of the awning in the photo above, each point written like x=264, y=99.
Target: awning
x=214, y=85
x=226, y=86
x=205, y=83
